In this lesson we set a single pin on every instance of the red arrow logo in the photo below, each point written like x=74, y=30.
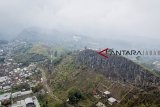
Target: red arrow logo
x=104, y=53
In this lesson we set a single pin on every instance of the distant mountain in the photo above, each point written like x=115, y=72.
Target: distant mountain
x=38, y=35
x=55, y=37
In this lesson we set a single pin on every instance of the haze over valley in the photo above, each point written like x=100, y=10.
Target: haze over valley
x=52, y=53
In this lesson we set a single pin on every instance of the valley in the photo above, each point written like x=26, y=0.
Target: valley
x=84, y=78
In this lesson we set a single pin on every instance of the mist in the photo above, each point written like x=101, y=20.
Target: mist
x=135, y=22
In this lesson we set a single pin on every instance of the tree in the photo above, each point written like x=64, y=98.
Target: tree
x=74, y=96
x=142, y=105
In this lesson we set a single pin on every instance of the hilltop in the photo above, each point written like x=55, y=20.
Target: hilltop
x=88, y=72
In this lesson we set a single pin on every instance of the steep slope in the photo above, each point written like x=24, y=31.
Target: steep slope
x=67, y=76
x=118, y=68
x=87, y=71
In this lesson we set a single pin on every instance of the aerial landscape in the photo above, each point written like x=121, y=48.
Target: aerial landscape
x=79, y=53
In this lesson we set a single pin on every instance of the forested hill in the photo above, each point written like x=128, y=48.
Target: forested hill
x=118, y=68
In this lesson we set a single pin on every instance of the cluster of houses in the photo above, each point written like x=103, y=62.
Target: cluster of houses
x=13, y=74
x=28, y=102
x=108, y=98
x=19, y=74
x=13, y=77
x=5, y=84
x=19, y=99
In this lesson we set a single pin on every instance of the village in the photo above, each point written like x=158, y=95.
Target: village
x=16, y=81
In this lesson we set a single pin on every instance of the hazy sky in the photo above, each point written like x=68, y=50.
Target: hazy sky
x=120, y=19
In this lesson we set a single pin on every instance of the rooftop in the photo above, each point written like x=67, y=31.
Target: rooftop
x=5, y=96
x=28, y=100
x=107, y=92
x=112, y=100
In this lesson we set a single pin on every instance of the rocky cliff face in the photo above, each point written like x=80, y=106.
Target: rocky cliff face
x=117, y=68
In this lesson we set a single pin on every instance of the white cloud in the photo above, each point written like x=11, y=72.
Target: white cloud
x=121, y=19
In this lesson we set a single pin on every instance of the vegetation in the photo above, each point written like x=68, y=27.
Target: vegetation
x=27, y=58
x=37, y=88
x=146, y=98
x=68, y=80
x=76, y=77
x=21, y=87
x=39, y=49
x=75, y=96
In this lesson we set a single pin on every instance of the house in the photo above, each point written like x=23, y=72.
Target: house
x=20, y=93
x=5, y=96
x=16, y=94
x=26, y=92
x=3, y=79
x=100, y=104
x=7, y=88
x=112, y=101
x=29, y=102
x=36, y=101
x=19, y=104
x=106, y=94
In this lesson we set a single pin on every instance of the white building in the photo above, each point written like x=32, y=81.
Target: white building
x=29, y=101
x=5, y=96
x=3, y=79
x=112, y=101
x=107, y=93
x=19, y=104
x=100, y=104
x=19, y=93
x=6, y=88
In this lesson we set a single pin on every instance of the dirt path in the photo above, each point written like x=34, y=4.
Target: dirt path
x=49, y=90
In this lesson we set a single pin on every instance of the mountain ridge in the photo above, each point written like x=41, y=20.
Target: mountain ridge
x=117, y=68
